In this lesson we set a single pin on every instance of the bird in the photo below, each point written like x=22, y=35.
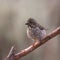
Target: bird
x=34, y=30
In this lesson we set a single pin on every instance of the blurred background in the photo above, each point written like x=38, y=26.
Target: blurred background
x=13, y=16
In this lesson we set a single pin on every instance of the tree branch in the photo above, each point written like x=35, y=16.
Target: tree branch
x=36, y=44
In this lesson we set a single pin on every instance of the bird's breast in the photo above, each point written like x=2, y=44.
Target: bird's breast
x=35, y=33
x=29, y=33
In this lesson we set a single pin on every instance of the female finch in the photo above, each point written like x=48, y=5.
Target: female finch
x=34, y=30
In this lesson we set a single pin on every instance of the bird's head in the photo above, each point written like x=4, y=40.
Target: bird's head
x=31, y=22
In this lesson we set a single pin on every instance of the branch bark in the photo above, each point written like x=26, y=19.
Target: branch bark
x=35, y=45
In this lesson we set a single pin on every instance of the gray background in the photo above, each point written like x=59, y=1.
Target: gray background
x=13, y=16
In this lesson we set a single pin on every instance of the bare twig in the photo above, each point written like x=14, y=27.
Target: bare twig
x=36, y=44
x=11, y=55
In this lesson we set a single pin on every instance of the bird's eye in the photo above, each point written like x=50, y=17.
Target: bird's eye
x=31, y=22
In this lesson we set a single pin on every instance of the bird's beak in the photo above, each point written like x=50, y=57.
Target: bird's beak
x=26, y=23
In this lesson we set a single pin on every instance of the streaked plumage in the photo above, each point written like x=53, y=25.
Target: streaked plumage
x=35, y=30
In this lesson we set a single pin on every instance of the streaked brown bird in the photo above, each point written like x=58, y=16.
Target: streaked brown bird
x=34, y=30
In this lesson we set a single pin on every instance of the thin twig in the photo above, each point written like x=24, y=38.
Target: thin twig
x=11, y=55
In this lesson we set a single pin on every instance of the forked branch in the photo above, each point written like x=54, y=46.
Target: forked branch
x=32, y=47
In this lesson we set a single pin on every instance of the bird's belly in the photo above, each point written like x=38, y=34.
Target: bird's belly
x=32, y=34
x=36, y=34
